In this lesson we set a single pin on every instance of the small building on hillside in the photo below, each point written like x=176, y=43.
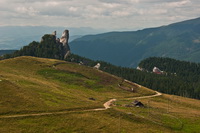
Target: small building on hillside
x=135, y=103
x=157, y=70
x=140, y=69
x=97, y=66
x=81, y=63
x=138, y=103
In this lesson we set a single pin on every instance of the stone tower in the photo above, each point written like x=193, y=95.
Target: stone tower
x=64, y=40
x=54, y=33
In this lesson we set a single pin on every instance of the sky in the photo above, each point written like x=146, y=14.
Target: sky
x=98, y=14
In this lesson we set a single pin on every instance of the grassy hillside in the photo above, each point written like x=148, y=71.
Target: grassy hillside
x=180, y=41
x=36, y=84
x=31, y=85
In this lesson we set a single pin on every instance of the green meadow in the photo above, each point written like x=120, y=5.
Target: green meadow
x=30, y=85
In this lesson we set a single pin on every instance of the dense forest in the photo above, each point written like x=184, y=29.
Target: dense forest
x=184, y=83
x=181, y=68
x=47, y=48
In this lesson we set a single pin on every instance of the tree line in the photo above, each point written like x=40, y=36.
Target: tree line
x=47, y=48
x=184, y=83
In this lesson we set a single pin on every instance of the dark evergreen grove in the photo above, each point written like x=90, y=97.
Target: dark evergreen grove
x=186, y=81
x=49, y=47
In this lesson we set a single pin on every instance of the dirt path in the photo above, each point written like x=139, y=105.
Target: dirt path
x=106, y=105
x=142, y=97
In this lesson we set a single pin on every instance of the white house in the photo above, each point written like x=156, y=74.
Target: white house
x=97, y=66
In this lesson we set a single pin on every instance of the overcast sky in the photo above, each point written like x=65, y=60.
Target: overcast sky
x=106, y=14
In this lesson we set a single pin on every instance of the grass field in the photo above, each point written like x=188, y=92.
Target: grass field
x=38, y=85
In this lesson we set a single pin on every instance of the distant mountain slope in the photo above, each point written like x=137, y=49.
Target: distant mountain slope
x=2, y=52
x=179, y=40
x=15, y=37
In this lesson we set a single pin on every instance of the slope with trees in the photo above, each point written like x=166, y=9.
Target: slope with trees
x=179, y=40
x=184, y=83
x=47, y=48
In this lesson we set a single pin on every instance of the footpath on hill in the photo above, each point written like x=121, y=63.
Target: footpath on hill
x=106, y=105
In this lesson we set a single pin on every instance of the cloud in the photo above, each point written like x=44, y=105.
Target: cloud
x=178, y=3
x=73, y=9
x=120, y=1
x=109, y=14
x=111, y=5
x=113, y=1
x=27, y=10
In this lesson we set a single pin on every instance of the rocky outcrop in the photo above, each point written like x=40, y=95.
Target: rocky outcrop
x=54, y=33
x=63, y=43
x=64, y=40
x=49, y=47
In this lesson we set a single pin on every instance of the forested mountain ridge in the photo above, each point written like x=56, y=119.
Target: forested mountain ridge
x=48, y=47
x=180, y=75
x=179, y=40
x=170, y=65
x=184, y=83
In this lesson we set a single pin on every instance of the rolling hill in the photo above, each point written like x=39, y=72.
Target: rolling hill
x=179, y=40
x=48, y=95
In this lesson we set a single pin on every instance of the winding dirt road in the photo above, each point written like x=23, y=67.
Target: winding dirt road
x=106, y=105
x=143, y=97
